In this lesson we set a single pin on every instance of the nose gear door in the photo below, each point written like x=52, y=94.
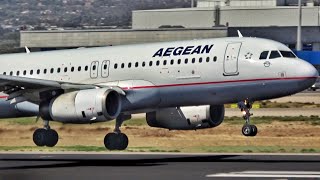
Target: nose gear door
x=231, y=59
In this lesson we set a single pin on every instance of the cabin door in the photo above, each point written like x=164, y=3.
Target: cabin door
x=231, y=59
x=94, y=69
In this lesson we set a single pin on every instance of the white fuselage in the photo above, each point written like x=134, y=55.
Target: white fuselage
x=185, y=73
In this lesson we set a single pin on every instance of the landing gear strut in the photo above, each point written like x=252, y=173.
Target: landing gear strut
x=247, y=129
x=117, y=140
x=45, y=136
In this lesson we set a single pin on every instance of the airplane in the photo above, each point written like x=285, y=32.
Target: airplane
x=180, y=85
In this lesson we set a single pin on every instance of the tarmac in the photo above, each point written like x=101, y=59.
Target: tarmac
x=157, y=166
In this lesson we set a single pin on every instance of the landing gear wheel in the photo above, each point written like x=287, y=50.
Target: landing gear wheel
x=247, y=130
x=52, y=138
x=39, y=137
x=116, y=141
x=45, y=137
x=254, y=130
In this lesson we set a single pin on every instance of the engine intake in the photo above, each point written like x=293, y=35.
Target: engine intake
x=187, y=118
x=85, y=106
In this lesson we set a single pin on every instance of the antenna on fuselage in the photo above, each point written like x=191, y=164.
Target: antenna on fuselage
x=239, y=34
x=27, y=50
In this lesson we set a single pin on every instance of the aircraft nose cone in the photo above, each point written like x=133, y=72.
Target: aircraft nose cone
x=308, y=72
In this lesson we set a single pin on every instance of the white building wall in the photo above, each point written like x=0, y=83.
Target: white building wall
x=194, y=18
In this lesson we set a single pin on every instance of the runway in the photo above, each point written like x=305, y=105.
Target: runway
x=157, y=166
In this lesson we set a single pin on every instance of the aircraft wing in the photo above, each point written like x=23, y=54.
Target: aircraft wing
x=29, y=88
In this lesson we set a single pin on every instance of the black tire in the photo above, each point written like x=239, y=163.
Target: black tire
x=246, y=130
x=39, y=137
x=52, y=138
x=124, y=141
x=109, y=142
x=254, y=130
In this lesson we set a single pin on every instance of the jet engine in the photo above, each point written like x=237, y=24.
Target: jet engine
x=187, y=118
x=84, y=106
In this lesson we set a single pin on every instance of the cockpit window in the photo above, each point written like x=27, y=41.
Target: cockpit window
x=264, y=55
x=274, y=54
x=287, y=54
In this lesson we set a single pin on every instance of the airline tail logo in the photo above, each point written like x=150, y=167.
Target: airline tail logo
x=189, y=50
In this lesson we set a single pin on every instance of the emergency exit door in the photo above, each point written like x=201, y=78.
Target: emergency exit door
x=231, y=59
x=94, y=69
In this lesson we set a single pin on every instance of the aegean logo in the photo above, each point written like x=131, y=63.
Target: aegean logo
x=176, y=51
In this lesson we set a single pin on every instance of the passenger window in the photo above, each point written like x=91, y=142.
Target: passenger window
x=86, y=68
x=52, y=70
x=143, y=64
x=200, y=60
x=93, y=68
x=172, y=62
x=179, y=61
x=66, y=69
x=186, y=61
x=31, y=72
x=193, y=60
x=11, y=73
x=79, y=68
x=165, y=62
x=150, y=63
x=18, y=73
x=58, y=70
x=137, y=64
x=24, y=72
x=158, y=63
x=122, y=65
x=264, y=55
x=38, y=71
x=274, y=54
x=4, y=73
x=215, y=59
x=72, y=69
x=115, y=66
x=129, y=65
x=45, y=71
x=208, y=59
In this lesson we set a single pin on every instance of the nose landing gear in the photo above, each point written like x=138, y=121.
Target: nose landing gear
x=247, y=129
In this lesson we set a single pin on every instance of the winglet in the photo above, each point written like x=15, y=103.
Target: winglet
x=27, y=50
x=239, y=34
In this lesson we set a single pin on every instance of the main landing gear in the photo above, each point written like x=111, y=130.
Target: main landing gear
x=247, y=129
x=45, y=136
x=117, y=140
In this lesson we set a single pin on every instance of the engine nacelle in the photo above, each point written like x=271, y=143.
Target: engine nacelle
x=187, y=118
x=84, y=106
